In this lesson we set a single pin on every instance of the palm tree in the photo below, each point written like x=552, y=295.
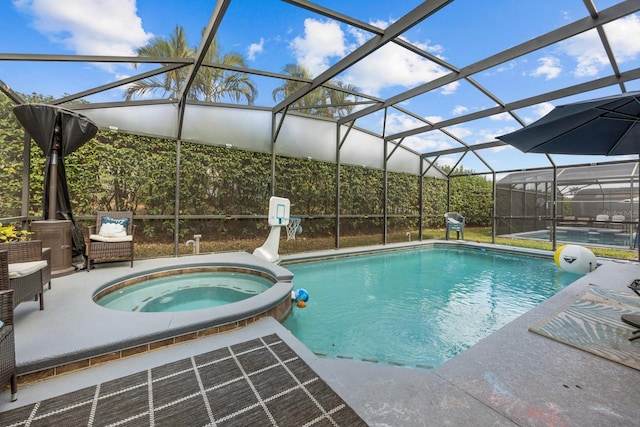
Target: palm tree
x=211, y=84
x=339, y=103
x=173, y=80
x=290, y=86
x=322, y=101
x=214, y=84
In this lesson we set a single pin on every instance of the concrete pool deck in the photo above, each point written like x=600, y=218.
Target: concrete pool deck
x=513, y=377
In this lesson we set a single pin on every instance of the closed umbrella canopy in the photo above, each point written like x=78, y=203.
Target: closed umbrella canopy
x=58, y=132
x=606, y=126
x=40, y=121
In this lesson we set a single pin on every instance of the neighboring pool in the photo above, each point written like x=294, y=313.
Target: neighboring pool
x=417, y=307
x=183, y=290
x=610, y=237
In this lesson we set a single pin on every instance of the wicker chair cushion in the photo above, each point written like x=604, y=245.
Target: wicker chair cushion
x=21, y=269
x=110, y=229
x=1, y=325
x=99, y=238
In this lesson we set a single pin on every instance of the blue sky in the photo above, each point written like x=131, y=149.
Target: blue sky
x=271, y=34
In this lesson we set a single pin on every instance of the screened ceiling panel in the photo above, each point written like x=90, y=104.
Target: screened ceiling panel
x=435, y=75
x=585, y=174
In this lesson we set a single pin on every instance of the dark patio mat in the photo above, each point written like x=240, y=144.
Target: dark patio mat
x=261, y=382
x=592, y=323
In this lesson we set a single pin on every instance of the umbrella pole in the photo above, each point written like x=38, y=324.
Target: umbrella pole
x=53, y=173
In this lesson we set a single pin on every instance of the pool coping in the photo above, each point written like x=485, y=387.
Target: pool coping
x=389, y=247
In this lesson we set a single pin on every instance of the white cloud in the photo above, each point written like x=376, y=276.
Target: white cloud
x=543, y=109
x=507, y=66
x=501, y=117
x=380, y=23
x=502, y=131
x=459, y=110
x=450, y=89
x=589, y=54
x=538, y=111
x=550, y=68
x=462, y=132
x=401, y=68
x=88, y=27
x=431, y=141
x=321, y=42
x=397, y=122
x=623, y=36
x=254, y=49
x=501, y=148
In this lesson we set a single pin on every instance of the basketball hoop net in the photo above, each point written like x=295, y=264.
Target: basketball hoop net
x=292, y=228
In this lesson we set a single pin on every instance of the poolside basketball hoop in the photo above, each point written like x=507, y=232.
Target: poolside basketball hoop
x=293, y=228
x=278, y=217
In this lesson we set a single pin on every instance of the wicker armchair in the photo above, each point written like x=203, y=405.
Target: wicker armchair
x=7, y=339
x=105, y=246
x=28, y=255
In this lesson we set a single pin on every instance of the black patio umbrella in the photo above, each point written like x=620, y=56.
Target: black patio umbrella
x=58, y=132
x=607, y=126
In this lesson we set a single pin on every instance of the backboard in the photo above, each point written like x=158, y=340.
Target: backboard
x=279, y=208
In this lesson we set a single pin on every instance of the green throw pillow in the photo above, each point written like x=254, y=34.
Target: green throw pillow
x=122, y=221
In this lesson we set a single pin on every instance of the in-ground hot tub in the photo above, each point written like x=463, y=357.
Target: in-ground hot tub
x=242, y=293
x=184, y=289
x=95, y=334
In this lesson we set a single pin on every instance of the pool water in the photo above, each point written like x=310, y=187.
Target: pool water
x=418, y=307
x=185, y=291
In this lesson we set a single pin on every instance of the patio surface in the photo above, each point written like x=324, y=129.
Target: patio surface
x=513, y=377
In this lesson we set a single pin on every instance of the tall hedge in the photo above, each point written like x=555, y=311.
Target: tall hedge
x=115, y=171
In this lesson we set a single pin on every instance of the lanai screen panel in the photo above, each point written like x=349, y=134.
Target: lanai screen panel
x=243, y=128
x=596, y=204
x=156, y=120
x=362, y=149
x=598, y=173
x=305, y=137
x=404, y=160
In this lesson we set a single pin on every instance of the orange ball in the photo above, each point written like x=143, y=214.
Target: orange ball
x=302, y=304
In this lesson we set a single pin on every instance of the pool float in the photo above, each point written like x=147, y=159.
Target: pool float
x=575, y=259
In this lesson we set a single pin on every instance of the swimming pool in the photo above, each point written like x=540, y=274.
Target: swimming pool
x=418, y=307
